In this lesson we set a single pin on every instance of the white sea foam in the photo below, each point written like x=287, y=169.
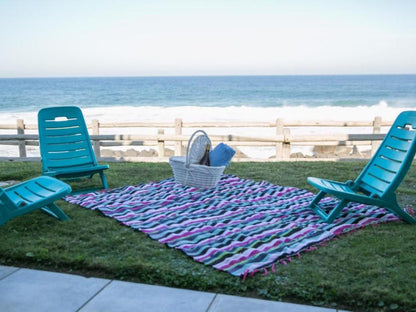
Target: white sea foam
x=230, y=113
x=212, y=114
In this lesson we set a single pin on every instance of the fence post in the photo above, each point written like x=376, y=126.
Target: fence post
x=376, y=130
x=282, y=148
x=96, y=143
x=22, y=143
x=279, y=145
x=161, y=143
x=178, y=131
x=286, y=143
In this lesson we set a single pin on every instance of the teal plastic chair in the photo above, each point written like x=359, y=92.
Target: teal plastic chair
x=37, y=193
x=65, y=146
x=378, y=181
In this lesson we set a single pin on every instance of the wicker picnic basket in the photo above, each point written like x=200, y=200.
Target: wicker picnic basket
x=188, y=171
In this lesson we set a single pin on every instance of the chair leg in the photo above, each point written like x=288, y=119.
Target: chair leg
x=55, y=211
x=327, y=217
x=103, y=180
x=3, y=220
x=4, y=216
x=398, y=211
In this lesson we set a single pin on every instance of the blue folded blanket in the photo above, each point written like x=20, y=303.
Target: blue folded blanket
x=221, y=155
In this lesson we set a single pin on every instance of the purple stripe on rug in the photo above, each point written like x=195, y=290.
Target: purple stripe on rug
x=241, y=226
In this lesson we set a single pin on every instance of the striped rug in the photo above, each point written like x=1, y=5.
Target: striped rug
x=241, y=226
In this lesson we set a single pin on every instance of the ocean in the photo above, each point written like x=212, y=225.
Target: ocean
x=212, y=98
x=31, y=94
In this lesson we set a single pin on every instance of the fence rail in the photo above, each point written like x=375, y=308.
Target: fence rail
x=284, y=137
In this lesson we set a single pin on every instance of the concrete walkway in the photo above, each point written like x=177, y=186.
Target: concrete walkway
x=33, y=290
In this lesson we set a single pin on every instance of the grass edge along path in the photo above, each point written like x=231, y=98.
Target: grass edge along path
x=373, y=269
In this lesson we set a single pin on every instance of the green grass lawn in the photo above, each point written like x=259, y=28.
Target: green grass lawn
x=373, y=269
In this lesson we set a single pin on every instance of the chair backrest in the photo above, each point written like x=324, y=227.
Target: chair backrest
x=64, y=139
x=388, y=167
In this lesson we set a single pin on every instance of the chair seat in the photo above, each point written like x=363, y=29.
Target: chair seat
x=70, y=172
x=343, y=191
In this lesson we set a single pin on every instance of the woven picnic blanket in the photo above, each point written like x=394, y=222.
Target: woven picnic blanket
x=241, y=226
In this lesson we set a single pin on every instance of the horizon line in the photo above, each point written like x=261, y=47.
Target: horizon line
x=208, y=75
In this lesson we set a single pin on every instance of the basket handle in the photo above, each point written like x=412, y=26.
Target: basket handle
x=187, y=162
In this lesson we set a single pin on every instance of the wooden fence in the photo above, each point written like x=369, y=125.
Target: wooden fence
x=336, y=139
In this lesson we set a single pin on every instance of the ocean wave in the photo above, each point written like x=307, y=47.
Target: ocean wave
x=229, y=113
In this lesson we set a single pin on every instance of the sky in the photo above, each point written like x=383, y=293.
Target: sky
x=76, y=38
